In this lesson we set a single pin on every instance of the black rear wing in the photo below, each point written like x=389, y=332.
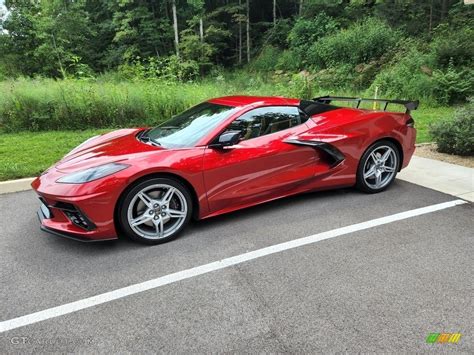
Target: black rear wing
x=409, y=105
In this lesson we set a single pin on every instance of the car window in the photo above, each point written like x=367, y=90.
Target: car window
x=267, y=120
x=187, y=128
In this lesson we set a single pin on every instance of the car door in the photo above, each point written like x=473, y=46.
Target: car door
x=261, y=166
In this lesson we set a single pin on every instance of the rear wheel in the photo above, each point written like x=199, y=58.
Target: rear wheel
x=155, y=211
x=378, y=167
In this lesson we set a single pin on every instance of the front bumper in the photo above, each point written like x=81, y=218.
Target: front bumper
x=81, y=212
x=44, y=214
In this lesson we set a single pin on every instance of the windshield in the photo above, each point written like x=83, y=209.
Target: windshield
x=187, y=128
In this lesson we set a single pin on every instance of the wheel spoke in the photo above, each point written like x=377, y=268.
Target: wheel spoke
x=176, y=213
x=388, y=169
x=168, y=195
x=145, y=199
x=378, y=179
x=159, y=227
x=370, y=172
x=374, y=157
x=141, y=219
x=386, y=155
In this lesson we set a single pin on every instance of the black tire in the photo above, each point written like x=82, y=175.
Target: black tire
x=131, y=196
x=361, y=182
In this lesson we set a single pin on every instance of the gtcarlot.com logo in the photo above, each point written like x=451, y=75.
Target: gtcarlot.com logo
x=25, y=340
x=443, y=338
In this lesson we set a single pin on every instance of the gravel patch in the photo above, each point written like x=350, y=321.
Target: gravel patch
x=428, y=150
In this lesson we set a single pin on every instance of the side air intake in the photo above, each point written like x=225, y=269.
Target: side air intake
x=334, y=155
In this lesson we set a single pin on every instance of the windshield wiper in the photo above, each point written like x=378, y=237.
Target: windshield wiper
x=151, y=141
x=145, y=138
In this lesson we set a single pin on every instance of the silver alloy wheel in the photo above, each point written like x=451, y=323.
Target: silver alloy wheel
x=380, y=167
x=157, y=211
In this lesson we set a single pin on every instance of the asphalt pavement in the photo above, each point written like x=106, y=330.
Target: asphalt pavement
x=383, y=289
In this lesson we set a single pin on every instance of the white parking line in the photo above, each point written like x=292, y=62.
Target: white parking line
x=217, y=265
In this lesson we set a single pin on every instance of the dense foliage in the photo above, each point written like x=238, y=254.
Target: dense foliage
x=48, y=104
x=407, y=48
x=456, y=135
x=136, y=62
x=70, y=104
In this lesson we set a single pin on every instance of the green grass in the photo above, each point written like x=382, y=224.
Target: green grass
x=424, y=116
x=46, y=104
x=43, y=119
x=28, y=154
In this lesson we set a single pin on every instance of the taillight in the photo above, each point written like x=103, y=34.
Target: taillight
x=410, y=122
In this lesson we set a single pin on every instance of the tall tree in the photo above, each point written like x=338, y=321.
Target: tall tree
x=3, y=13
x=248, y=30
x=240, y=33
x=201, y=29
x=430, y=26
x=18, y=43
x=52, y=37
x=274, y=12
x=48, y=37
x=139, y=30
x=444, y=8
x=175, y=27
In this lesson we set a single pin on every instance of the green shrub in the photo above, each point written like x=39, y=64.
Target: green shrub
x=453, y=45
x=78, y=70
x=193, y=50
x=289, y=60
x=412, y=74
x=341, y=77
x=361, y=43
x=453, y=85
x=301, y=86
x=174, y=68
x=456, y=135
x=169, y=68
x=307, y=32
x=407, y=76
x=3, y=72
x=276, y=33
x=266, y=60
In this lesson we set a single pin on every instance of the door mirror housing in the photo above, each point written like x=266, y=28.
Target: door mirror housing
x=226, y=139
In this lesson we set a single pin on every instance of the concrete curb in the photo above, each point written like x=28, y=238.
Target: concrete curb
x=438, y=175
x=15, y=185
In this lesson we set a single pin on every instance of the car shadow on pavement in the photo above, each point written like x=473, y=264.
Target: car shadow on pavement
x=272, y=207
x=275, y=207
x=268, y=212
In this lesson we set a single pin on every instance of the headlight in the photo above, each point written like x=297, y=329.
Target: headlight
x=91, y=174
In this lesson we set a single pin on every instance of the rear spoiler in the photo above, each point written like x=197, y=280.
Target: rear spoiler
x=409, y=105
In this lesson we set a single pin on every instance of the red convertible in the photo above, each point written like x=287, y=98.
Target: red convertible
x=220, y=156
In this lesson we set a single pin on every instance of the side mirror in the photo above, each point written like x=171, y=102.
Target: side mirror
x=226, y=139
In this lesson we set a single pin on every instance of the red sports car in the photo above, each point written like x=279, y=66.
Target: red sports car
x=222, y=155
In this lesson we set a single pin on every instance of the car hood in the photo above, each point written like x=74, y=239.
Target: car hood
x=111, y=147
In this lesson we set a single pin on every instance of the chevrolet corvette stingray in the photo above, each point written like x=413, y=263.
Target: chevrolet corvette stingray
x=222, y=155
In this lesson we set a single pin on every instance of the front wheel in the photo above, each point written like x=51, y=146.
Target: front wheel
x=378, y=167
x=155, y=211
